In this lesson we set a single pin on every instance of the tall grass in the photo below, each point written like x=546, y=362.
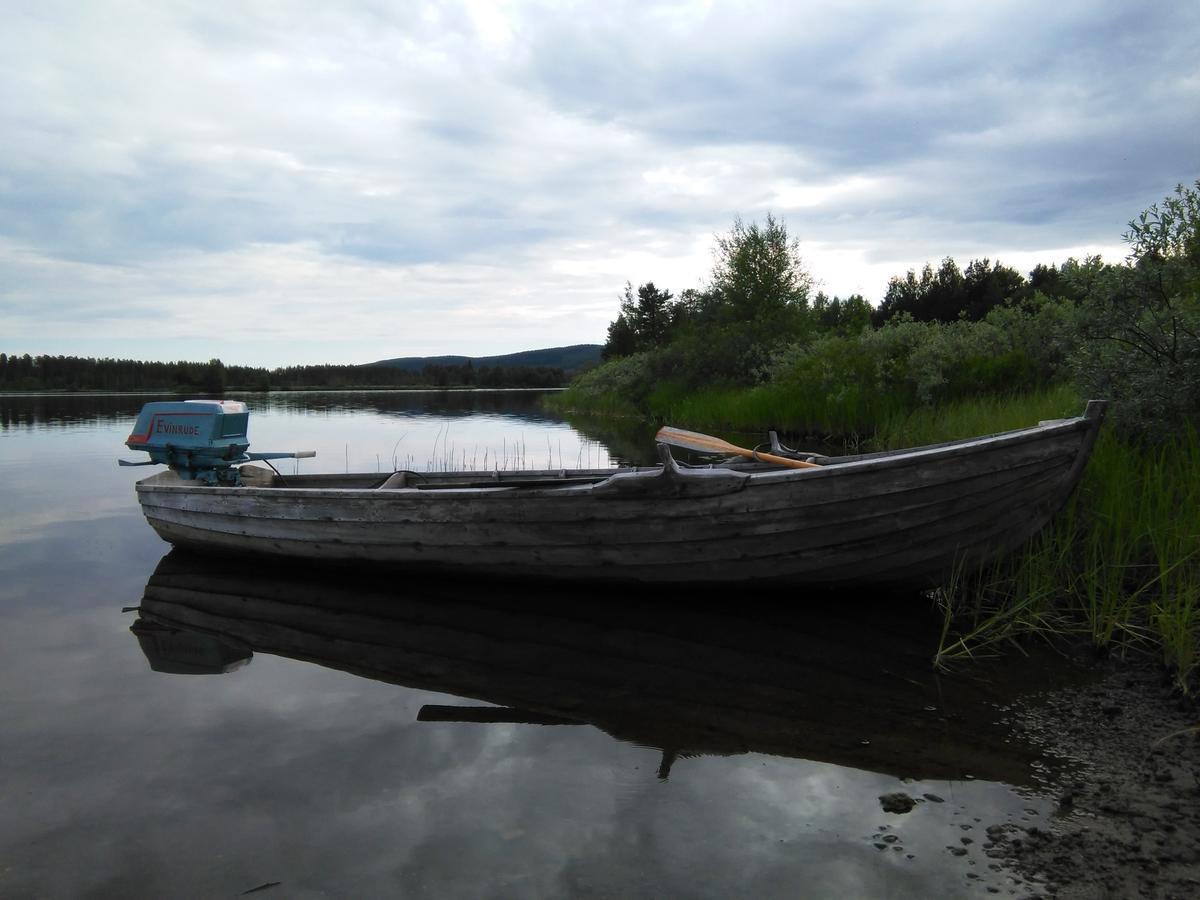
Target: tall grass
x=611, y=404
x=1120, y=565
x=974, y=416
x=775, y=405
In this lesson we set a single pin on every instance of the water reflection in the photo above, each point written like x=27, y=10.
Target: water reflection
x=452, y=404
x=34, y=411
x=851, y=686
x=39, y=410
x=179, y=651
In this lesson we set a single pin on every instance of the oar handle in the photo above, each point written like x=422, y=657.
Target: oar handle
x=706, y=443
x=782, y=460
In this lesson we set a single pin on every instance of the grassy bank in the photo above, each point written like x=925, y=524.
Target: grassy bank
x=1119, y=565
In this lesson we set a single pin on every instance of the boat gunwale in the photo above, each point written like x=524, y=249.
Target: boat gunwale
x=169, y=482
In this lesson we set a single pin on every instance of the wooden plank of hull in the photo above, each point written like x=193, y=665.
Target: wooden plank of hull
x=807, y=542
x=686, y=561
x=766, y=504
x=913, y=513
x=875, y=556
x=815, y=524
x=762, y=501
x=766, y=493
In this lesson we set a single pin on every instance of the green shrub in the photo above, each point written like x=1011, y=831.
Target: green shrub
x=1139, y=323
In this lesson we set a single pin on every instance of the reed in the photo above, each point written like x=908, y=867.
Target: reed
x=775, y=405
x=974, y=416
x=1120, y=565
x=603, y=404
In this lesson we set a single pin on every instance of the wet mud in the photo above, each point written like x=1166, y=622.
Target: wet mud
x=1121, y=758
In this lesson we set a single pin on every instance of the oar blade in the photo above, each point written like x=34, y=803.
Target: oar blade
x=693, y=440
x=706, y=443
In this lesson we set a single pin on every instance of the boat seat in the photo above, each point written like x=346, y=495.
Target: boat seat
x=256, y=476
x=395, y=481
x=807, y=455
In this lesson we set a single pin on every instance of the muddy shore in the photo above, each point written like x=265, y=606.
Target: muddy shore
x=1122, y=760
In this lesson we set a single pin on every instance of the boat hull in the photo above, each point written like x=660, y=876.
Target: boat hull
x=907, y=516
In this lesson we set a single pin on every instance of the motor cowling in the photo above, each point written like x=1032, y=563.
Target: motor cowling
x=193, y=437
x=199, y=439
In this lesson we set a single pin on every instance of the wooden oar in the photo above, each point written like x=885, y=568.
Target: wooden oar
x=706, y=443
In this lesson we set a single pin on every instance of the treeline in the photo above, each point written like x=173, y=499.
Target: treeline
x=74, y=373
x=1128, y=332
x=652, y=318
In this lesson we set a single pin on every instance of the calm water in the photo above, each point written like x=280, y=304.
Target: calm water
x=329, y=735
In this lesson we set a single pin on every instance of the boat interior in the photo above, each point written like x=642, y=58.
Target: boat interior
x=257, y=476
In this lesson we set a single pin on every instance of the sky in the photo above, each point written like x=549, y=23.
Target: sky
x=279, y=183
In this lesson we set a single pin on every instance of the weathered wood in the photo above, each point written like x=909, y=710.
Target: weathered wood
x=708, y=542
x=879, y=517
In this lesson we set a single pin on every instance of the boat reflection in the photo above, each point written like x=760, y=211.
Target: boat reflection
x=721, y=672
x=180, y=651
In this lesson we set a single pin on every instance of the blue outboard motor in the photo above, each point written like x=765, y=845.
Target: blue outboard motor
x=203, y=440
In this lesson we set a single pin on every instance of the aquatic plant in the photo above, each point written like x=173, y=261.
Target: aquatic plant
x=1119, y=566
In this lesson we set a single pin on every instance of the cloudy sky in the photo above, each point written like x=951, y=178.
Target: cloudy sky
x=277, y=183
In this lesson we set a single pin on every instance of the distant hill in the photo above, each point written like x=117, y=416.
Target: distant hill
x=569, y=359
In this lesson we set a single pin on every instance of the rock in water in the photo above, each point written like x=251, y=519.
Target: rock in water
x=897, y=803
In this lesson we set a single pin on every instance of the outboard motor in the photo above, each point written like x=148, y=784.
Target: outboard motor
x=202, y=440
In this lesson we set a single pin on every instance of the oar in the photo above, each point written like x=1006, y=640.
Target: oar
x=706, y=443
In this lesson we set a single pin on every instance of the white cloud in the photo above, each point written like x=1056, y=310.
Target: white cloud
x=371, y=180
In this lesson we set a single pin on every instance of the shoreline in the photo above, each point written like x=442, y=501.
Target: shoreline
x=306, y=390
x=1123, y=762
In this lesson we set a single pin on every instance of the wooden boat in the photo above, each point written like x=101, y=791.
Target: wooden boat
x=904, y=516
x=850, y=684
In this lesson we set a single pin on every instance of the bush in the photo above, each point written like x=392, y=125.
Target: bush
x=1139, y=323
x=924, y=363
x=617, y=387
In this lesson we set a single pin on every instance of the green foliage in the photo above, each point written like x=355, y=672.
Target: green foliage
x=849, y=416
x=644, y=323
x=723, y=335
x=759, y=289
x=721, y=354
x=214, y=377
x=729, y=355
x=618, y=387
x=926, y=363
x=72, y=373
x=1048, y=282
x=1168, y=235
x=950, y=294
x=973, y=416
x=758, y=277
x=845, y=317
x=1139, y=322
x=621, y=339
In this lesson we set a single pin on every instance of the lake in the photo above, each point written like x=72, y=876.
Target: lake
x=192, y=727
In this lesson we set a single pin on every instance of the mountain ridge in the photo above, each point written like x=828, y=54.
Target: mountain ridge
x=570, y=358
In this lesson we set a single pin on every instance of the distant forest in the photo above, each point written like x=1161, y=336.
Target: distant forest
x=570, y=359
x=74, y=373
